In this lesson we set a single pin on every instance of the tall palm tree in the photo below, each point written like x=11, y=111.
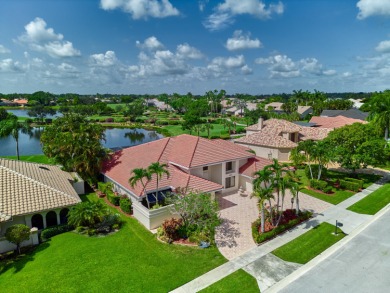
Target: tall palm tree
x=295, y=188
x=263, y=180
x=139, y=175
x=159, y=170
x=263, y=194
x=380, y=111
x=11, y=126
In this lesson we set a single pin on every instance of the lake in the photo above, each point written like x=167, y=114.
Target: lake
x=116, y=138
x=23, y=113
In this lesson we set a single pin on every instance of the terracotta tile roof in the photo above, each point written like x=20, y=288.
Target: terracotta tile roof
x=184, y=151
x=253, y=165
x=334, y=122
x=313, y=133
x=29, y=187
x=266, y=139
x=275, y=125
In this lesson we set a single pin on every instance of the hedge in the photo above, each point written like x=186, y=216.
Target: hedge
x=314, y=169
x=113, y=199
x=358, y=181
x=349, y=185
x=125, y=205
x=261, y=237
x=53, y=231
x=318, y=184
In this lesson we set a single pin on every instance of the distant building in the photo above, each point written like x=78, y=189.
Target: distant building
x=351, y=113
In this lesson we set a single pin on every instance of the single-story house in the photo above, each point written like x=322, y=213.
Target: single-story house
x=234, y=110
x=350, y=113
x=194, y=163
x=158, y=104
x=275, y=138
x=303, y=111
x=36, y=195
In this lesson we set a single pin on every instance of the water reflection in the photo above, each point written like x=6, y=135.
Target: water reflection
x=135, y=136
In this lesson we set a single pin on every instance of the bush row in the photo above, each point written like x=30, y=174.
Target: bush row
x=261, y=237
x=53, y=231
x=320, y=185
x=349, y=185
x=125, y=205
x=357, y=181
x=112, y=198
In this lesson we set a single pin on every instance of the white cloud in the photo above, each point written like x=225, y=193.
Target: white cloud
x=4, y=50
x=239, y=41
x=104, y=60
x=246, y=70
x=142, y=8
x=9, y=65
x=42, y=39
x=186, y=51
x=230, y=62
x=383, y=47
x=150, y=43
x=369, y=8
x=202, y=4
x=224, y=12
x=283, y=66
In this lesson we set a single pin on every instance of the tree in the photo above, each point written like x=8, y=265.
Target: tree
x=139, y=175
x=87, y=214
x=3, y=114
x=159, y=170
x=190, y=120
x=75, y=143
x=11, y=126
x=295, y=188
x=353, y=146
x=40, y=112
x=208, y=126
x=380, y=111
x=240, y=104
x=17, y=234
x=263, y=194
x=306, y=147
x=297, y=157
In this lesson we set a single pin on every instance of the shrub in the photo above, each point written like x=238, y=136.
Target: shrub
x=80, y=229
x=91, y=232
x=48, y=120
x=314, y=169
x=198, y=237
x=53, y=231
x=17, y=234
x=29, y=120
x=261, y=237
x=357, y=181
x=171, y=227
x=174, y=122
x=125, y=205
x=327, y=189
x=349, y=185
x=318, y=184
x=113, y=199
x=109, y=120
x=162, y=122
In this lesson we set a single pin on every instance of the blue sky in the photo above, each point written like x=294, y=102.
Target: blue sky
x=156, y=46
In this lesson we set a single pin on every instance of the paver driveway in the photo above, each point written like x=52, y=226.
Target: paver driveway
x=234, y=235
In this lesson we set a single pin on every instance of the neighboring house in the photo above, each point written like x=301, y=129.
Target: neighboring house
x=4, y=102
x=35, y=195
x=194, y=163
x=158, y=104
x=351, y=113
x=334, y=122
x=356, y=103
x=237, y=111
x=277, y=107
x=303, y=111
x=275, y=138
x=21, y=102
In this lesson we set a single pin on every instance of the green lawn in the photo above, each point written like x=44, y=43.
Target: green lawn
x=309, y=245
x=239, y=281
x=42, y=159
x=131, y=260
x=338, y=195
x=373, y=202
x=218, y=130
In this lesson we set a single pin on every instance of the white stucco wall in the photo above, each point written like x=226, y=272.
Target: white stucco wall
x=265, y=152
x=246, y=184
x=5, y=245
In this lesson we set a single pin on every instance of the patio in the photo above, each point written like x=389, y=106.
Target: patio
x=234, y=235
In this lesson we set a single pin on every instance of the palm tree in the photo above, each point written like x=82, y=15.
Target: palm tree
x=380, y=110
x=263, y=180
x=159, y=170
x=87, y=214
x=139, y=175
x=208, y=126
x=295, y=188
x=263, y=194
x=11, y=126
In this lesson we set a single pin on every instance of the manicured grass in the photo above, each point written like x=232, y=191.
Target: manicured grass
x=338, y=195
x=131, y=260
x=239, y=281
x=42, y=159
x=309, y=245
x=218, y=130
x=373, y=202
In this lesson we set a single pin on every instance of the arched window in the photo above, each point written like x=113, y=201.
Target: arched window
x=37, y=221
x=64, y=216
x=51, y=219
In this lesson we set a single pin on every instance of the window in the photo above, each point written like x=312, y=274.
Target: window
x=229, y=166
x=205, y=169
x=230, y=182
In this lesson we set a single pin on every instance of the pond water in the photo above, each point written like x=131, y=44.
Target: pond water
x=23, y=113
x=116, y=138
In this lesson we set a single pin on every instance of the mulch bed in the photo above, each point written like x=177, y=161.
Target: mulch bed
x=116, y=207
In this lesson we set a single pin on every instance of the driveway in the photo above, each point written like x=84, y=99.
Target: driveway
x=234, y=235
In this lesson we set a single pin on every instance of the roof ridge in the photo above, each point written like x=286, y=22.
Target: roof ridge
x=36, y=181
x=168, y=140
x=24, y=162
x=193, y=153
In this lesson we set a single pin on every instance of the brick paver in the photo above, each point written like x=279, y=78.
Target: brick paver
x=234, y=235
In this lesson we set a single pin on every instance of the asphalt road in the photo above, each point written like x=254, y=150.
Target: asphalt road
x=361, y=265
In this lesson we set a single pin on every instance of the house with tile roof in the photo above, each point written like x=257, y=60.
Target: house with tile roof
x=36, y=195
x=275, y=138
x=334, y=122
x=303, y=111
x=350, y=113
x=194, y=163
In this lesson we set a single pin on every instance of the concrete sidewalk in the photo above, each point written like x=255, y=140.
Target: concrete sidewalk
x=250, y=260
